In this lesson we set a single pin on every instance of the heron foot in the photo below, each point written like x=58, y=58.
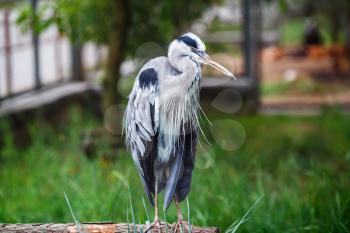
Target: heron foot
x=181, y=226
x=154, y=225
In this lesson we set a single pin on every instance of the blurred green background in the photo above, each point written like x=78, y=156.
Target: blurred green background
x=287, y=140
x=300, y=165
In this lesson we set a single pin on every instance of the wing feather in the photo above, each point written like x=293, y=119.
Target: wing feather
x=180, y=170
x=140, y=124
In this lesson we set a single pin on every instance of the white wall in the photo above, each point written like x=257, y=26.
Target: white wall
x=55, y=57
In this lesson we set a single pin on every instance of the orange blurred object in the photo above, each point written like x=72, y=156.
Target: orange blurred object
x=316, y=52
x=272, y=53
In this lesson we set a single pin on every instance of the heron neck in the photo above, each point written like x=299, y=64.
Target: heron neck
x=186, y=67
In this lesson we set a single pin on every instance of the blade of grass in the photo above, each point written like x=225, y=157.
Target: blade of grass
x=140, y=226
x=80, y=228
x=188, y=215
x=132, y=212
x=144, y=205
x=127, y=218
x=244, y=218
x=166, y=222
x=232, y=226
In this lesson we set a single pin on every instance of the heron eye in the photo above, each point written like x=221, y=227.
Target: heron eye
x=196, y=51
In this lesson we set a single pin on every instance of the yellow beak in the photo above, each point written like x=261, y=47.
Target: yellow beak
x=207, y=60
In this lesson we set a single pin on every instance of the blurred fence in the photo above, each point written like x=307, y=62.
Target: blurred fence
x=28, y=62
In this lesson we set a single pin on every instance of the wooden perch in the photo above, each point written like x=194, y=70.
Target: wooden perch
x=102, y=227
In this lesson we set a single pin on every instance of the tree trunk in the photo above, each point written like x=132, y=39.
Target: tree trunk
x=347, y=35
x=116, y=51
x=107, y=227
x=77, y=63
x=335, y=26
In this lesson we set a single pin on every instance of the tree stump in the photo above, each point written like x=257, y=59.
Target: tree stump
x=99, y=227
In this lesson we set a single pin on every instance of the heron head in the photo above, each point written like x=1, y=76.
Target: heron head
x=192, y=46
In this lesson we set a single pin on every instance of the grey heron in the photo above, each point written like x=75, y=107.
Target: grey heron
x=161, y=120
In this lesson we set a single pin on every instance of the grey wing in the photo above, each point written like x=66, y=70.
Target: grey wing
x=141, y=127
x=180, y=177
x=189, y=154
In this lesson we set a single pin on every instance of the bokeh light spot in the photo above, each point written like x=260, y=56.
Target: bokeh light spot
x=147, y=51
x=205, y=156
x=227, y=101
x=113, y=119
x=229, y=134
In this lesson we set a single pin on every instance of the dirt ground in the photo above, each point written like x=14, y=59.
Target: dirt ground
x=304, y=82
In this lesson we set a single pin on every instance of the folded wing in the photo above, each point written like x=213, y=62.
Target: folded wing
x=141, y=126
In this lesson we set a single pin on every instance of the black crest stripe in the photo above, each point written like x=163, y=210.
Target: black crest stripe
x=189, y=41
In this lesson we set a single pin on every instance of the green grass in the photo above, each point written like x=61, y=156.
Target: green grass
x=292, y=32
x=300, y=164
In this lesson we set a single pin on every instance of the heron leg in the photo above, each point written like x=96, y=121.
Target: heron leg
x=180, y=222
x=178, y=207
x=156, y=222
x=156, y=214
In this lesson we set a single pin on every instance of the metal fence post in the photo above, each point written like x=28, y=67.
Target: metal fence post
x=246, y=36
x=35, y=41
x=77, y=70
x=7, y=50
x=252, y=44
x=252, y=36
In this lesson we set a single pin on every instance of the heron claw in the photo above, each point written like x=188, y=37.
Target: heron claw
x=179, y=226
x=155, y=224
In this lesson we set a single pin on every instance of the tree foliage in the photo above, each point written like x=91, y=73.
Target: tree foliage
x=121, y=24
x=90, y=20
x=333, y=14
x=79, y=20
